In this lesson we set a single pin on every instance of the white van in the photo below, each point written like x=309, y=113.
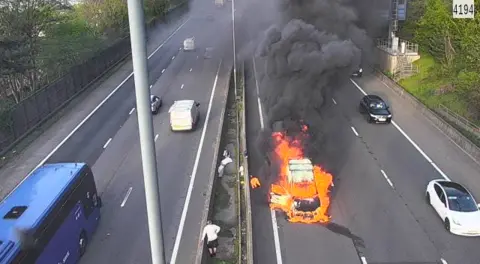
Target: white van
x=189, y=44
x=184, y=115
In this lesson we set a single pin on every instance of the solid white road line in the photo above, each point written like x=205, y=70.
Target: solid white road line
x=386, y=177
x=126, y=197
x=409, y=139
x=156, y=137
x=260, y=110
x=364, y=260
x=108, y=142
x=276, y=238
x=174, y=32
x=102, y=102
x=354, y=131
x=255, y=77
x=443, y=261
x=181, y=87
x=194, y=173
x=95, y=110
x=131, y=111
x=335, y=102
x=451, y=140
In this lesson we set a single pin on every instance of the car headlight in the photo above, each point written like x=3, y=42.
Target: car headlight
x=389, y=116
x=456, y=221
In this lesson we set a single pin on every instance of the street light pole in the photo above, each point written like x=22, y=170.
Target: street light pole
x=234, y=51
x=136, y=20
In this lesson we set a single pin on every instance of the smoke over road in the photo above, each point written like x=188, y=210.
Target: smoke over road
x=311, y=50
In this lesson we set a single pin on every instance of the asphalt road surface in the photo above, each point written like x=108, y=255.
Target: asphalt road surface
x=378, y=207
x=123, y=233
x=108, y=141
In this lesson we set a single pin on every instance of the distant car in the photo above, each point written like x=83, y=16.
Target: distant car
x=155, y=103
x=358, y=73
x=189, y=44
x=208, y=53
x=455, y=206
x=376, y=109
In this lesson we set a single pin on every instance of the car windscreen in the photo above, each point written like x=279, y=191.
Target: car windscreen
x=378, y=108
x=462, y=203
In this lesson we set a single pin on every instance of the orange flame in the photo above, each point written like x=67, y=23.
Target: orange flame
x=284, y=193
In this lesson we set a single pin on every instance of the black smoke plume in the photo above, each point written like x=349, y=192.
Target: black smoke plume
x=312, y=50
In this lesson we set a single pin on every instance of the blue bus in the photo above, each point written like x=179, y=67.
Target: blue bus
x=50, y=217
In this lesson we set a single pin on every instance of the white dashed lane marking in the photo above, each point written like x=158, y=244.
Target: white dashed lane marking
x=386, y=177
x=126, y=197
x=354, y=131
x=108, y=142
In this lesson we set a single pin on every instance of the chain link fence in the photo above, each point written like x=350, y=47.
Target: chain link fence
x=27, y=115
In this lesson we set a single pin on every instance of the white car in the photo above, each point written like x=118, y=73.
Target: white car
x=358, y=73
x=189, y=44
x=455, y=206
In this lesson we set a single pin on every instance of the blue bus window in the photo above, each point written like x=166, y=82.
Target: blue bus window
x=15, y=212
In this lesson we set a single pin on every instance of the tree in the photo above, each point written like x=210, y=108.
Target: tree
x=453, y=43
x=156, y=8
x=436, y=31
x=415, y=11
x=66, y=44
x=14, y=64
x=22, y=22
x=109, y=17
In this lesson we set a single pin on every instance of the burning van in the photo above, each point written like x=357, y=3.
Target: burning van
x=301, y=190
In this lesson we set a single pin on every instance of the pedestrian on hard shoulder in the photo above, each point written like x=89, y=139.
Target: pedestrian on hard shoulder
x=254, y=182
x=211, y=231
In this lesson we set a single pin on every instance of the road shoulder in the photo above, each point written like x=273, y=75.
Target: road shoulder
x=18, y=168
x=449, y=157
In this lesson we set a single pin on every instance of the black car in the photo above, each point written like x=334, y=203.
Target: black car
x=155, y=103
x=376, y=110
x=358, y=73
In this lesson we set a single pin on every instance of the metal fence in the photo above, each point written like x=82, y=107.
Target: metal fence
x=31, y=111
x=40, y=106
x=459, y=120
x=387, y=45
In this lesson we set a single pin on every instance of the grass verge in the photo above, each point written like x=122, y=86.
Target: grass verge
x=225, y=200
x=425, y=87
x=18, y=148
x=426, y=84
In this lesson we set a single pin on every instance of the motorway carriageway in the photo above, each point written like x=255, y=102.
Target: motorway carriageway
x=378, y=208
x=107, y=138
x=184, y=160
